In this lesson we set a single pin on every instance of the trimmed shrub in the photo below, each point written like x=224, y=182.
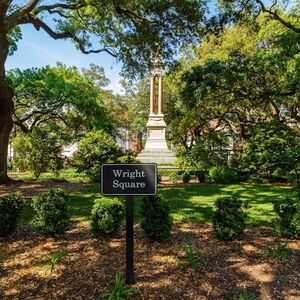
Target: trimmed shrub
x=201, y=176
x=229, y=220
x=107, y=215
x=186, y=177
x=222, y=174
x=173, y=177
x=51, y=212
x=156, y=220
x=10, y=208
x=287, y=223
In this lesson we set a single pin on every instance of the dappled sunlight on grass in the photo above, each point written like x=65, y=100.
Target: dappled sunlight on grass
x=189, y=203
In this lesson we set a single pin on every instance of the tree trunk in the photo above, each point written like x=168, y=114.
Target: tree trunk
x=6, y=106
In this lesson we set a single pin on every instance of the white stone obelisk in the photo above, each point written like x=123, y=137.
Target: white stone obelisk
x=156, y=149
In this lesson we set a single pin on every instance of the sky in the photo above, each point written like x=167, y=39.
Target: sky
x=37, y=49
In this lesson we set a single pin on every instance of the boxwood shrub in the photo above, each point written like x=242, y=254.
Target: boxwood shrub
x=186, y=177
x=10, y=208
x=222, y=174
x=201, y=176
x=229, y=220
x=156, y=221
x=51, y=211
x=107, y=215
x=287, y=222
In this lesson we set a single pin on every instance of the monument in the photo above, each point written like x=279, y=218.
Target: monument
x=156, y=149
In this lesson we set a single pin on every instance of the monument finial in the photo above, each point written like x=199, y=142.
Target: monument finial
x=156, y=65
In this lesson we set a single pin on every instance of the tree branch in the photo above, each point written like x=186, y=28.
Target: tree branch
x=49, y=8
x=38, y=24
x=275, y=16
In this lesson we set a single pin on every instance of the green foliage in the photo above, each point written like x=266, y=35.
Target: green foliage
x=273, y=148
x=287, y=223
x=10, y=208
x=245, y=78
x=156, y=221
x=209, y=150
x=128, y=159
x=229, y=219
x=65, y=101
x=293, y=177
x=106, y=216
x=186, y=177
x=246, y=296
x=38, y=152
x=51, y=211
x=14, y=36
x=222, y=174
x=201, y=176
x=173, y=177
x=121, y=290
x=280, y=251
x=241, y=296
x=190, y=256
x=95, y=149
x=58, y=257
x=283, y=279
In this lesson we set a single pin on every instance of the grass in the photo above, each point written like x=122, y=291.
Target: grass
x=65, y=175
x=189, y=203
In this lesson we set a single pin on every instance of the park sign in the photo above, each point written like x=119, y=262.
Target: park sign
x=128, y=179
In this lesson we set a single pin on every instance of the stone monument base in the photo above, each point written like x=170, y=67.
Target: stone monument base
x=156, y=149
x=157, y=156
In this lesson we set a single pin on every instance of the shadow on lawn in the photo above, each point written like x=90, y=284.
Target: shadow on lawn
x=190, y=203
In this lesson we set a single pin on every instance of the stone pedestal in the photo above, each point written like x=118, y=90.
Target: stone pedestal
x=156, y=148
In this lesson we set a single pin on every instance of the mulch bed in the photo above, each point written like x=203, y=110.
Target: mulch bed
x=31, y=188
x=161, y=268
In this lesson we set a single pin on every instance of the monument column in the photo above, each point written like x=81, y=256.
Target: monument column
x=160, y=95
x=152, y=86
x=156, y=149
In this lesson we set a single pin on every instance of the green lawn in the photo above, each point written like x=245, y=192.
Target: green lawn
x=189, y=203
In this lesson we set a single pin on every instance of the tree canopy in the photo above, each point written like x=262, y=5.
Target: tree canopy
x=60, y=98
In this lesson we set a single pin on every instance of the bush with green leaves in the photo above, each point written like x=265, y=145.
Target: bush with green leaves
x=173, y=177
x=229, y=220
x=156, y=220
x=107, y=216
x=186, y=177
x=201, y=176
x=10, y=209
x=38, y=151
x=121, y=290
x=95, y=149
x=287, y=222
x=51, y=212
x=128, y=158
x=223, y=174
x=272, y=148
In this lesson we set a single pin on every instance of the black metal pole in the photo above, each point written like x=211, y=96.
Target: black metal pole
x=129, y=240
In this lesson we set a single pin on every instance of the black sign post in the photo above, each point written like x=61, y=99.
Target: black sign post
x=129, y=241
x=129, y=180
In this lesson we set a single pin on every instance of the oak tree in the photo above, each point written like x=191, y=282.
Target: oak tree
x=127, y=30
